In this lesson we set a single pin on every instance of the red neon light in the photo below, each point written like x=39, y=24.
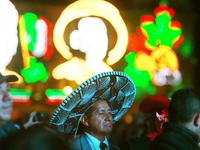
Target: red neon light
x=178, y=42
x=137, y=43
x=147, y=19
x=21, y=101
x=49, y=47
x=163, y=8
x=53, y=101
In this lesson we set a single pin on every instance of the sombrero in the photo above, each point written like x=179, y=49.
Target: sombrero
x=115, y=87
x=8, y=78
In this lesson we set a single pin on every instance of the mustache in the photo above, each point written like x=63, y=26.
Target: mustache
x=108, y=123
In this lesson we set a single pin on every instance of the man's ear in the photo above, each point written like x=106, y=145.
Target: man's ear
x=84, y=120
x=197, y=120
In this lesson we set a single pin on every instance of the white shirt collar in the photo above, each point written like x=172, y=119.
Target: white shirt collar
x=95, y=142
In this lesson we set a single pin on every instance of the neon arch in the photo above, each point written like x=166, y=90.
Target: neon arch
x=84, y=8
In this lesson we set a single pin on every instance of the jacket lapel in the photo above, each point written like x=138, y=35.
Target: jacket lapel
x=84, y=143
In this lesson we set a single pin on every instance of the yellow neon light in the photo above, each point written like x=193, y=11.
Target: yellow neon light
x=145, y=62
x=78, y=70
x=67, y=90
x=91, y=38
x=24, y=46
x=165, y=57
x=8, y=37
x=162, y=57
x=8, y=72
x=84, y=8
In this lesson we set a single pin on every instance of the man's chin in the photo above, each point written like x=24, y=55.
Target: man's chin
x=5, y=117
x=108, y=130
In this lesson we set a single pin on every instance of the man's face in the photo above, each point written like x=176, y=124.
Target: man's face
x=101, y=119
x=6, y=102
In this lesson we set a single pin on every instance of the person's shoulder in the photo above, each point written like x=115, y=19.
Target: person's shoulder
x=161, y=146
x=166, y=141
x=136, y=143
x=76, y=140
x=79, y=143
x=113, y=147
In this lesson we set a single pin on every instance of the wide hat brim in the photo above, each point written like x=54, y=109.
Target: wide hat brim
x=154, y=102
x=115, y=87
x=8, y=78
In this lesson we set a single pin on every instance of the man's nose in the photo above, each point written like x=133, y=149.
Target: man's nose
x=108, y=116
x=6, y=96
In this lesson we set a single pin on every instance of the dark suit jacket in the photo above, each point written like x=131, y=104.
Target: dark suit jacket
x=81, y=143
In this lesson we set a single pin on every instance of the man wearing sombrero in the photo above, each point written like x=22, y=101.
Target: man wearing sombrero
x=97, y=104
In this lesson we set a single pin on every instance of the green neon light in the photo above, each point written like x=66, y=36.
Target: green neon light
x=141, y=91
x=140, y=78
x=186, y=48
x=36, y=72
x=20, y=92
x=55, y=94
x=164, y=2
x=160, y=33
x=30, y=20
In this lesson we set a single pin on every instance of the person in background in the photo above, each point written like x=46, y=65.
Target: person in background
x=36, y=137
x=154, y=109
x=92, y=108
x=7, y=127
x=183, y=129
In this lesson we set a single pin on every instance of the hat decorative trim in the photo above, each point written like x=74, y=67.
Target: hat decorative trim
x=115, y=87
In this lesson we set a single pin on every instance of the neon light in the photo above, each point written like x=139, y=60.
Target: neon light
x=21, y=96
x=49, y=45
x=186, y=48
x=55, y=96
x=8, y=36
x=24, y=47
x=154, y=46
x=165, y=57
x=137, y=44
x=84, y=8
x=36, y=72
x=34, y=35
x=167, y=36
x=145, y=62
x=140, y=78
x=135, y=73
x=67, y=90
x=91, y=38
x=167, y=77
x=40, y=46
x=79, y=72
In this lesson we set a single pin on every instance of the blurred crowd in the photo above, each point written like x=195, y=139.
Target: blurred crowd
x=92, y=122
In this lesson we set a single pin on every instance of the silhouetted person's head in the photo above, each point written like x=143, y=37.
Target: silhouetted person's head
x=184, y=109
x=184, y=105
